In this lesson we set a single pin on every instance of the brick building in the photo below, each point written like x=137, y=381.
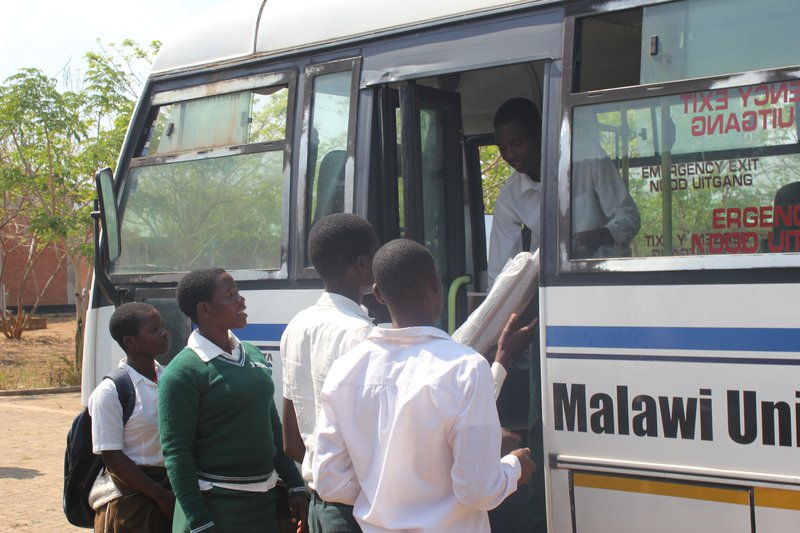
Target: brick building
x=60, y=295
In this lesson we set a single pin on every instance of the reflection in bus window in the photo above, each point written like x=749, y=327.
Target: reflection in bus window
x=604, y=216
x=222, y=212
x=432, y=128
x=327, y=152
x=224, y=120
x=703, y=167
x=401, y=198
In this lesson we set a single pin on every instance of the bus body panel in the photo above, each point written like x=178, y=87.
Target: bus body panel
x=244, y=28
x=653, y=406
x=223, y=33
x=100, y=354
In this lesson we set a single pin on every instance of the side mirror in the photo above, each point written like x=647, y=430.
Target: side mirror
x=104, y=181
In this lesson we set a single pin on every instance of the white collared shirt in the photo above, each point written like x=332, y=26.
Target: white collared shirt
x=518, y=203
x=408, y=432
x=139, y=438
x=312, y=341
x=207, y=350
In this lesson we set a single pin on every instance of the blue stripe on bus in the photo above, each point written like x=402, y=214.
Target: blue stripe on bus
x=730, y=339
x=676, y=359
x=260, y=332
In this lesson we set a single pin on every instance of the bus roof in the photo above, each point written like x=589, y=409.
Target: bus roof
x=235, y=30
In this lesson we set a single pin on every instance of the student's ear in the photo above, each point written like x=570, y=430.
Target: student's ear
x=376, y=291
x=435, y=284
x=202, y=310
x=129, y=342
x=364, y=266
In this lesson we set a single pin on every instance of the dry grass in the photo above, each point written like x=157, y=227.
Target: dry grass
x=42, y=358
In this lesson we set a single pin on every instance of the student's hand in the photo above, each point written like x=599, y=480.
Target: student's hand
x=509, y=441
x=166, y=502
x=298, y=508
x=513, y=340
x=585, y=243
x=528, y=466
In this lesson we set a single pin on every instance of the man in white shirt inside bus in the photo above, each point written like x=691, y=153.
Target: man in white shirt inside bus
x=604, y=216
x=518, y=134
x=408, y=430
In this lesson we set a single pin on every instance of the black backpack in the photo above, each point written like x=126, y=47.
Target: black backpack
x=81, y=465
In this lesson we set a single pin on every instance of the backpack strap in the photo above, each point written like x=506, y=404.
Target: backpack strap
x=125, y=391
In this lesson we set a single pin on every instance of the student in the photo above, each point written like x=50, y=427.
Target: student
x=219, y=426
x=408, y=430
x=135, y=476
x=341, y=247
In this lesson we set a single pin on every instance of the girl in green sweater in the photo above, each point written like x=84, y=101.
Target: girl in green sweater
x=220, y=431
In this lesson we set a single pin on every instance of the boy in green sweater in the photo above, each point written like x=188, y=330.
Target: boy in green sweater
x=220, y=431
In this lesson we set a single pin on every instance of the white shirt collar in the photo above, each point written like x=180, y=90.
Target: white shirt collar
x=343, y=304
x=207, y=350
x=136, y=377
x=411, y=334
x=526, y=183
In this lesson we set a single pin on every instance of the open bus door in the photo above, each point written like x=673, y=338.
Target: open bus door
x=422, y=158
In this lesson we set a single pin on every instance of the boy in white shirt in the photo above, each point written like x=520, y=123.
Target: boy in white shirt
x=341, y=247
x=132, y=451
x=408, y=429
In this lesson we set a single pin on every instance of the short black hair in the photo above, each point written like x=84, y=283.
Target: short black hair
x=403, y=268
x=519, y=109
x=195, y=287
x=336, y=241
x=126, y=319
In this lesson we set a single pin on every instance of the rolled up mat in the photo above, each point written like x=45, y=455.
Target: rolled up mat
x=512, y=291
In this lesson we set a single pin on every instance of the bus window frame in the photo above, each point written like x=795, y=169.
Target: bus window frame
x=199, y=88
x=571, y=100
x=311, y=71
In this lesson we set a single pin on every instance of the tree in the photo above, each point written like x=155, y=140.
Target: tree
x=40, y=133
x=51, y=143
x=112, y=85
x=494, y=173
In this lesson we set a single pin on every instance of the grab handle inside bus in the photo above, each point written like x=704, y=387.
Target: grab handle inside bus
x=452, y=294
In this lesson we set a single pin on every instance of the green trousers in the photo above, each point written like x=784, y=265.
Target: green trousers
x=328, y=517
x=234, y=511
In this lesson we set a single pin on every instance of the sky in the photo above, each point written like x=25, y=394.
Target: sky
x=51, y=34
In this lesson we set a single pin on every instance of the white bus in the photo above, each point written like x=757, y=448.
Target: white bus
x=669, y=369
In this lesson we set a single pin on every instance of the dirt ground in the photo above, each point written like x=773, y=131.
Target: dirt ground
x=42, y=358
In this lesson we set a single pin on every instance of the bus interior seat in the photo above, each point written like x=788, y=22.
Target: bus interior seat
x=330, y=184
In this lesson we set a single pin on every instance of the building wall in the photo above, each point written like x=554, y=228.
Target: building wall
x=60, y=291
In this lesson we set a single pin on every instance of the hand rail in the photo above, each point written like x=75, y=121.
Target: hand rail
x=452, y=293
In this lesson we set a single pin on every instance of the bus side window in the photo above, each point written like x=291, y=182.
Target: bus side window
x=329, y=160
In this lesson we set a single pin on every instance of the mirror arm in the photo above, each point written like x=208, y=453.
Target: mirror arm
x=102, y=281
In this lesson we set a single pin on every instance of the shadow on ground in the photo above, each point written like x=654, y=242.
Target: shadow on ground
x=18, y=473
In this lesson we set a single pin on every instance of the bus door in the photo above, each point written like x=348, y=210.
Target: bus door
x=422, y=158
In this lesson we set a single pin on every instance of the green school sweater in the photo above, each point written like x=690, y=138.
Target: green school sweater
x=218, y=422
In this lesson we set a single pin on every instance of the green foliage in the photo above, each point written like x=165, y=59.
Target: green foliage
x=494, y=173
x=52, y=141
